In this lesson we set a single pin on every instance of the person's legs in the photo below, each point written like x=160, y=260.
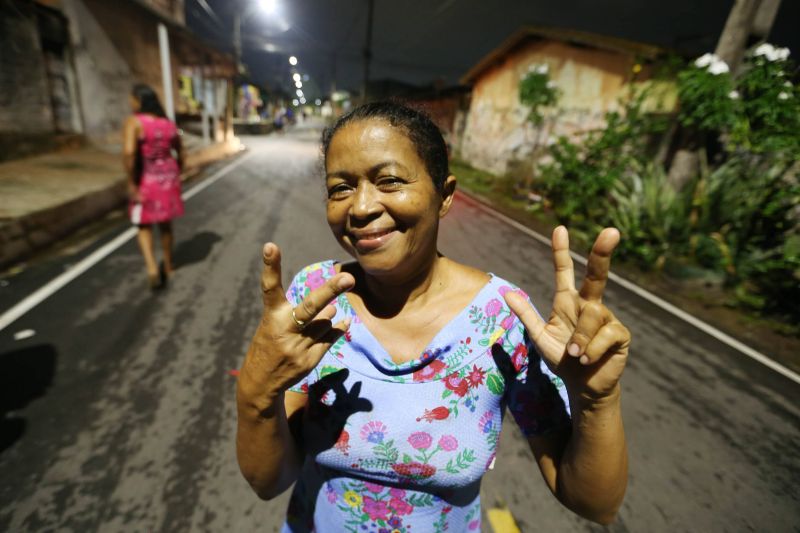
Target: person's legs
x=145, y=238
x=165, y=228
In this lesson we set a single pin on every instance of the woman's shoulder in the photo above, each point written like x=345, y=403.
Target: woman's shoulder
x=309, y=278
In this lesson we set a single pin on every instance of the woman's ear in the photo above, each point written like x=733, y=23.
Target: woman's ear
x=448, y=192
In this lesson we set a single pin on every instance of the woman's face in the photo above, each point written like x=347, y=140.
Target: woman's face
x=382, y=205
x=134, y=103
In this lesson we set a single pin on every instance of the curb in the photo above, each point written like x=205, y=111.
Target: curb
x=22, y=237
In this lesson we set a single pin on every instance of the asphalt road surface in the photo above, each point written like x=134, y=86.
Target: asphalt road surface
x=118, y=412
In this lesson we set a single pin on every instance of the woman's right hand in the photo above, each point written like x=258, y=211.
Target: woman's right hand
x=133, y=193
x=287, y=347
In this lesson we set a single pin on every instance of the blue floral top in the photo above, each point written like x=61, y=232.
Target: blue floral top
x=402, y=448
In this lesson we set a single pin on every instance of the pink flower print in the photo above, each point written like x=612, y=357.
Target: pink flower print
x=414, y=470
x=493, y=307
x=400, y=507
x=373, y=431
x=486, y=422
x=429, y=371
x=455, y=383
x=420, y=440
x=376, y=510
x=330, y=493
x=475, y=377
x=373, y=487
x=315, y=279
x=474, y=525
x=448, y=443
x=507, y=322
x=397, y=493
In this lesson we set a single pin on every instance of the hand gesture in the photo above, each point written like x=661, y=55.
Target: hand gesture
x=289, y=342
x=582, y=342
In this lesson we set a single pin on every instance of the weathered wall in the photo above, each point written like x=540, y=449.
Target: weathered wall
x=24, y=97
x=497, y=130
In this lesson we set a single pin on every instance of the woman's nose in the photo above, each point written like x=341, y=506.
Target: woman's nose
x=365, y=202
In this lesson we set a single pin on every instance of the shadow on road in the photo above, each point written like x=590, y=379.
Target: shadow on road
x=25, y=375
x=195, y=249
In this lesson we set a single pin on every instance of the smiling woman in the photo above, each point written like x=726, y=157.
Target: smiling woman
x=379, y=385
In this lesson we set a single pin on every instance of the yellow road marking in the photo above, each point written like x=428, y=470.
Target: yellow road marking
x=501, y=520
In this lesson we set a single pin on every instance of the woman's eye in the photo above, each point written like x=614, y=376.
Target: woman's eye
x=389, y=182
x=338, y=191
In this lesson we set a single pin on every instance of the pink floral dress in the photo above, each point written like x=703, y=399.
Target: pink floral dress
x=403, y=448
x=160, y=185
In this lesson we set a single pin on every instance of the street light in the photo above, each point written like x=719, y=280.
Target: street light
x=298, y=84
x=292, y=60
x=299, y=93
x=269, y=6
x=296, y=76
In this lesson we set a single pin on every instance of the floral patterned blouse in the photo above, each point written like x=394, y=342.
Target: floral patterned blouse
x=402, y=448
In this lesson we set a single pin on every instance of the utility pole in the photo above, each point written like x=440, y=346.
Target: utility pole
x=367, y=48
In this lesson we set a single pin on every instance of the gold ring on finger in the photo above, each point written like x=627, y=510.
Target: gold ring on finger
x=299, y=323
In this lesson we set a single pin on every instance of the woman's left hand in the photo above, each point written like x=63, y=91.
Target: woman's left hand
x=582, y=342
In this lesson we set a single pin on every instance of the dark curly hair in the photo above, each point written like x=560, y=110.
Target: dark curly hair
x=417, y=126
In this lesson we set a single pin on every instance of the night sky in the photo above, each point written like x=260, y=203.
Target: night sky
x=422, y=41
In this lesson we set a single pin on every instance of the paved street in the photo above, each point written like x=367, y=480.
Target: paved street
x=119, y=411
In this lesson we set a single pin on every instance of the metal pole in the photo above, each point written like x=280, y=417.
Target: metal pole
x=166, y=71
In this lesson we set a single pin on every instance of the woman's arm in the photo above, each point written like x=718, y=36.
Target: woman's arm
x=287, y=345
x=179, y=150
x=585, y=345
x=586, y=467
x=268, y=454
x=130, y=140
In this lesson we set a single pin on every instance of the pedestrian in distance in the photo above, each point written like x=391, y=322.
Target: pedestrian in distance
x=378, y=386
x=153, y=156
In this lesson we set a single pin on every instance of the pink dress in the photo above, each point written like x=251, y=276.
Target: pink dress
x=160, y=185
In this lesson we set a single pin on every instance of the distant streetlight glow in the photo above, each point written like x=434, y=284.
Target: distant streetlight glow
x=318, y=102
x=269, y=6
x=298, y=84
x=299, y=93
x=292, y=60
x=295, y=102
x=302, y=100
x=296, y=76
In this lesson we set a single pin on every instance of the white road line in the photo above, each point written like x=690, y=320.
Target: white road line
x=48, y=289
x=650, y=297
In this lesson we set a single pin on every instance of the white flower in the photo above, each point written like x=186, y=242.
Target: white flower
x=733, y=95
x=705, y=60
x=788, y=84
x=542, y=69
x=718, y=67
x=783, y=96
x=766, y=50
x=551, y=84
x=771, y=53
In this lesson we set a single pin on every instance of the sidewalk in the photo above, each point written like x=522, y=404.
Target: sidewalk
x=45, y=197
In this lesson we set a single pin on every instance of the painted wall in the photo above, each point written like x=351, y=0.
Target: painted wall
x=497, y=131
x=24, y=96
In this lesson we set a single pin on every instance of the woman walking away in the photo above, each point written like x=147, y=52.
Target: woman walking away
x=153, y=157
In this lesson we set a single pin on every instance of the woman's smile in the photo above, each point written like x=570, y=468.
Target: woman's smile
x=368, y=240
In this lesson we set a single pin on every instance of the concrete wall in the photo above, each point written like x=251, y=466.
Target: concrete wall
x=24, y=97
x=497, y=131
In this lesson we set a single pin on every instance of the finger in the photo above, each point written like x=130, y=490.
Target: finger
x=320, y=324
x=565, y=272
x=598, y=264
x=320, y=297
x=611, y=337
x=526, y=313
x=271, y=287
x=327, y=340
x=593, y=316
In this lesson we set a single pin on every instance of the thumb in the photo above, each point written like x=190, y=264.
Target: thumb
x=527, y=314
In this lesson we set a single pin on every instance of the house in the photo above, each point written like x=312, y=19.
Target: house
x=69, y=65
x=591, y=71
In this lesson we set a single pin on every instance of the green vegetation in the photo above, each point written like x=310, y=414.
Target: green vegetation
x=737, y=221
